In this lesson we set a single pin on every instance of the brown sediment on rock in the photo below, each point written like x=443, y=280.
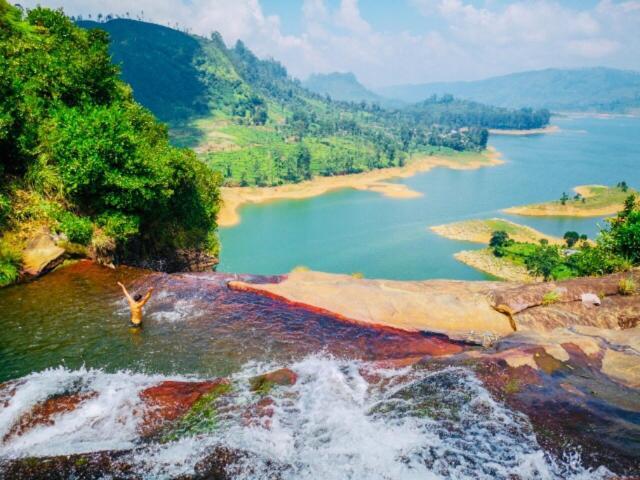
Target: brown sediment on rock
x=375, y=180
x=525, y=132
x=453, y=308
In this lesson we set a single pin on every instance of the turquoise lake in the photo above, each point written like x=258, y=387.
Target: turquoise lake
x=351, y=231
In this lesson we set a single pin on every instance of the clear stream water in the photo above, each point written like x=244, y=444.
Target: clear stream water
x=348, y=416
x=351, y=231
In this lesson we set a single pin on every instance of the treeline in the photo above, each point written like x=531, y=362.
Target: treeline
x=79, y=156
x=447, y=110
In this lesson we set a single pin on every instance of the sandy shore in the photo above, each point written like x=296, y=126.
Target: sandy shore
x=571, y=208
x=374, y=181
x=479, y=231
x=487, y=262
x=532, y=131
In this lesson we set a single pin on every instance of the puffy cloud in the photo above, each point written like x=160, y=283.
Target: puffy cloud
x=460, y=40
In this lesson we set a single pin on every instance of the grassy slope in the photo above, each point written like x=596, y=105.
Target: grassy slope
x=480, y=231
x=239, y=112
x=598, y=201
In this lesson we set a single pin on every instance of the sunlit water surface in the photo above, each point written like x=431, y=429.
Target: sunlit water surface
x=351, y=231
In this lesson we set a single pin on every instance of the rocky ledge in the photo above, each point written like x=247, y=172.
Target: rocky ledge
x=594, y=313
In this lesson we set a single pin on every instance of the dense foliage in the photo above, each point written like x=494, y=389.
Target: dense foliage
x=617, y=248
x=91, y=158
x=446, y=110
x=249, y=118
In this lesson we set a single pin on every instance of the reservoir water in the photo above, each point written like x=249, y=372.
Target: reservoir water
x=352, y=231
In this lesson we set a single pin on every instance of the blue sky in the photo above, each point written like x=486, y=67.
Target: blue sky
x=407, y=41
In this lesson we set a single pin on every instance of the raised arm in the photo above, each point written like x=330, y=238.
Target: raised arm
x=126, y=294
x=146, y=298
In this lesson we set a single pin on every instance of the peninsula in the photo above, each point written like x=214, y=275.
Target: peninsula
x=233, y=198
x=588, y=201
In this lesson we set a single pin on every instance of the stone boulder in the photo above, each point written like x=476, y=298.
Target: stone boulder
x=263, y=383
x=41, y=255
x=171, y=400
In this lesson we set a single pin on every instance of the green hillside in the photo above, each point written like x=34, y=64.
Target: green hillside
x=80, y=158
x=252, y=122
x=588, y=89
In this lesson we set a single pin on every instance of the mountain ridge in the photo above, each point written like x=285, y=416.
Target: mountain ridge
x=596, y=89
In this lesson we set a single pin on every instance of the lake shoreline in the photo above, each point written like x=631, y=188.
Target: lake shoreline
x=572, y=208
x=524, y=132
x=480, y=231
x=233, y=198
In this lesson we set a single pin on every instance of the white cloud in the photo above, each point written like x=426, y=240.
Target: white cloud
x=459, y=40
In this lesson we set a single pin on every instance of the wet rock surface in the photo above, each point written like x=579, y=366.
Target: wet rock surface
x=170, y=400
x=571, y=368
x=44, y=413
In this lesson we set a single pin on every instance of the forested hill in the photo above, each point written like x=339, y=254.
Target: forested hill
x=588, y=89
x=346, y=87
x=80, y=158
x=250, y=120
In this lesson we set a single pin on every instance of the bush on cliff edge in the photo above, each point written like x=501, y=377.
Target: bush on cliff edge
x=71, y=131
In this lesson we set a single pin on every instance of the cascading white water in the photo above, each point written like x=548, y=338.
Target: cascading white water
x=332, y=424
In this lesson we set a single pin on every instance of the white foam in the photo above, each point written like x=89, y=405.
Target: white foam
x=107, y=421
x=332, y=424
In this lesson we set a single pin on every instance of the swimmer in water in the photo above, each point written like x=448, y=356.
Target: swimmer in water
x=135, y=304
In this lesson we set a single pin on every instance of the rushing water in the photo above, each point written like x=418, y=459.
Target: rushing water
x=349, y=416
x=333, y=424
x=351, y=231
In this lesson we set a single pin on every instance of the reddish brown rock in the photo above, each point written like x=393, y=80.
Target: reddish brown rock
x=170, y=400
x=259, y=414
x=44, y=413
x=263, y=383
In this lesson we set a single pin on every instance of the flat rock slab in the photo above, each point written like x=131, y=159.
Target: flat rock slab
x=458, y=309
x=41, y=255
x=513, y=299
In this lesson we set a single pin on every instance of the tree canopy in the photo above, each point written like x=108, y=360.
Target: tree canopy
x=71, y=131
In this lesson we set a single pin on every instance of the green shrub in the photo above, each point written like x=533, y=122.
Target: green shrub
x=5, y=208
x=627, y=286
x=119, y=226
x=9, y=265
x=77, y=229
x=551, y=297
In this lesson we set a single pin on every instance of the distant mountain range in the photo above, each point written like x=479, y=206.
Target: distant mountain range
x=346, y=87
x=587, y=89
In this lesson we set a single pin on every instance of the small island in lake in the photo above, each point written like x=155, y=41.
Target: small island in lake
x=508, y=266
x=480, y=231
x=588, y=201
